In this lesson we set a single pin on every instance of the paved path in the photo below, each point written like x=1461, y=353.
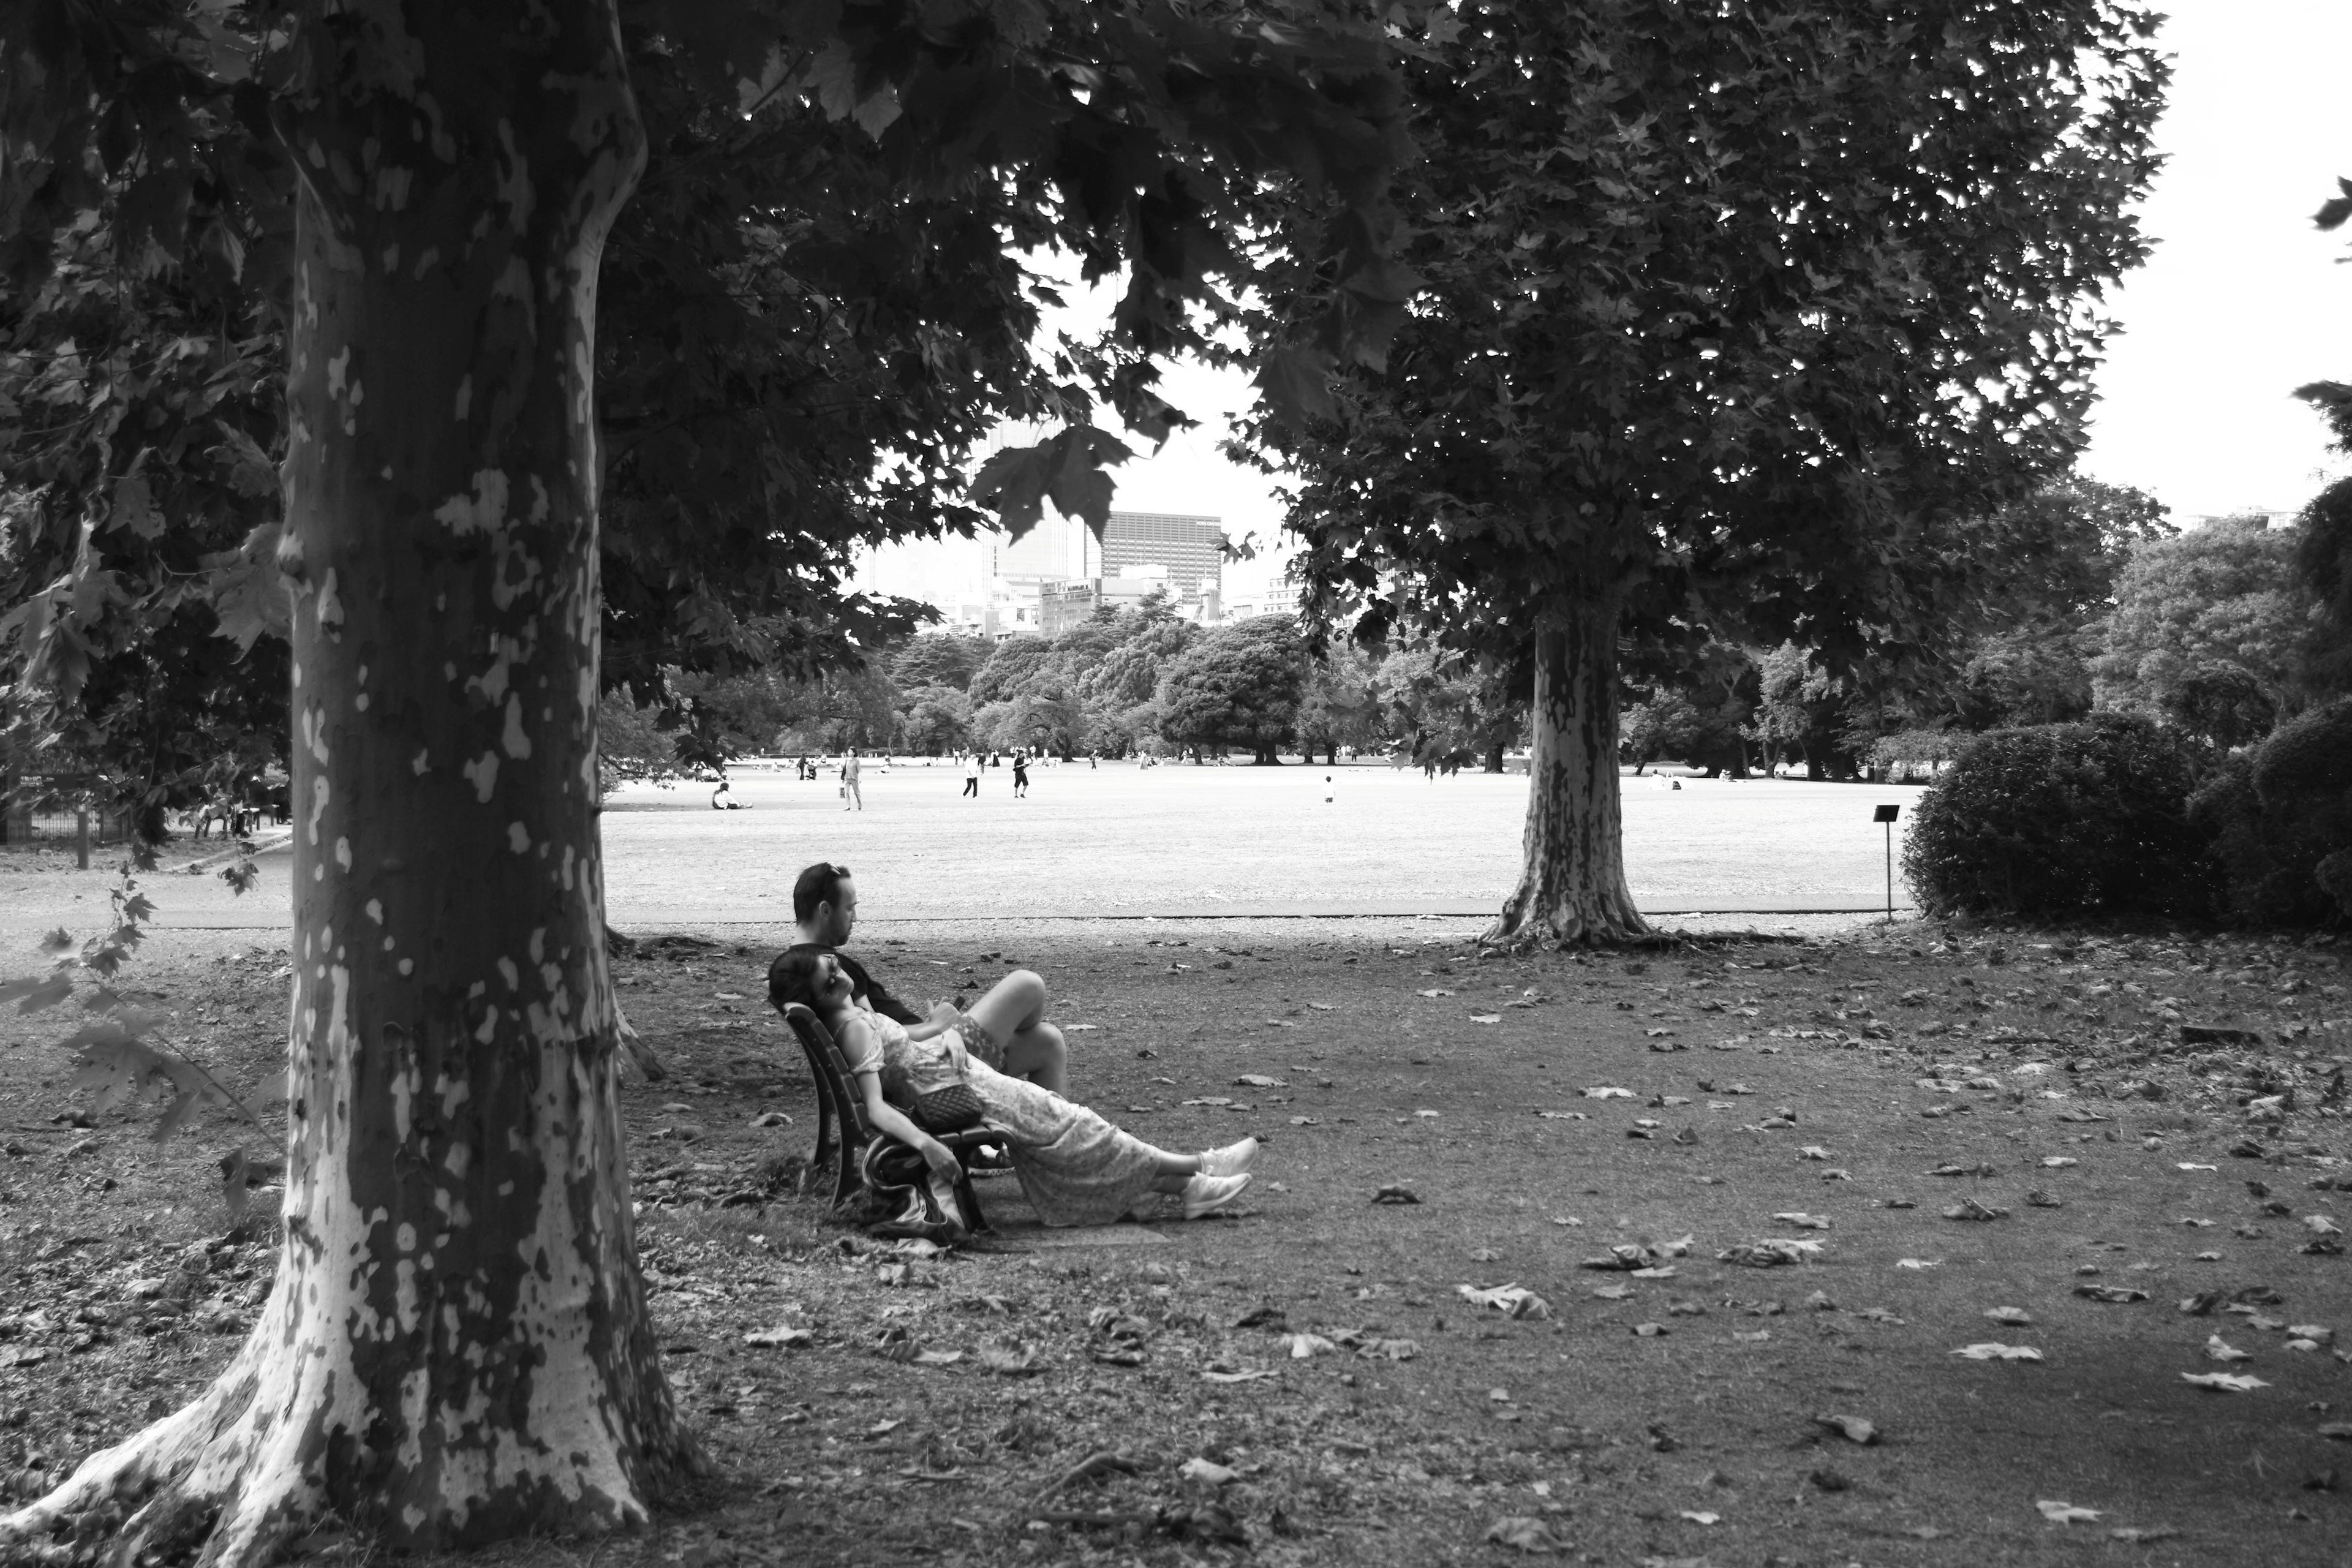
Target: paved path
x=1171, y=842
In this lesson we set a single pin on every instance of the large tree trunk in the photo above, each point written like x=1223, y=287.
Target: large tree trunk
x=457, y=1348
x=1573, y=887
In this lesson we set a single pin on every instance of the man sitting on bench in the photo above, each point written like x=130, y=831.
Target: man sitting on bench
x=1018, y=1041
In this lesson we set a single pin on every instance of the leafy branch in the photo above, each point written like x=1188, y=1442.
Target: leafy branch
x=123, y=1057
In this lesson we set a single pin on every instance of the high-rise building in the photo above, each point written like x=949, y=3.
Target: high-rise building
x=1057, y=549
x=1193, y=549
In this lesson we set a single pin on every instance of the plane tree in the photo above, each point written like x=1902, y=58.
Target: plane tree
x=457, y=1347
x=1737, y=321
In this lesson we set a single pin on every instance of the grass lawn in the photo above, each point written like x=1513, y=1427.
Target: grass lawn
x=1119, y=841
x=1662, y=1417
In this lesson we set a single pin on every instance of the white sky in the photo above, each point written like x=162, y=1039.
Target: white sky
x=2242, y=302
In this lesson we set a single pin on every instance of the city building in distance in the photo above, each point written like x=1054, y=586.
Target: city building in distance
x=1058, y=573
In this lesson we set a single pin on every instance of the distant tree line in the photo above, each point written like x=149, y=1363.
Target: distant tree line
x=1128, y=682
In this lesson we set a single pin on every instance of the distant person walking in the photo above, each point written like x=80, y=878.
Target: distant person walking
x=970, y=774
x=850, y=797
x=1020, y=775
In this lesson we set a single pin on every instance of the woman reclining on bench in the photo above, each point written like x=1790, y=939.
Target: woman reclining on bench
x=1074, y=1167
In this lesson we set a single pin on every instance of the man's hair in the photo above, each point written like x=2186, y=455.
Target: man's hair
x=820, y=884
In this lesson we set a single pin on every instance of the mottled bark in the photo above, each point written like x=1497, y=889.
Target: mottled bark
x=457, y=1348
x=1573, y=886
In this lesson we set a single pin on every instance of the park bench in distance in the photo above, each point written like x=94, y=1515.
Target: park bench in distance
x=845, y=1138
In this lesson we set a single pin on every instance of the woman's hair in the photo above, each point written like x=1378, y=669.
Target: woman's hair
x=793, y=978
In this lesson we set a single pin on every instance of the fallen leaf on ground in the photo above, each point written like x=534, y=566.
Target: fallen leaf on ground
x=1992, y=1350
x=1771, y=1253
x=1259, y=1080
x=2065, y=1513
x=1969, y=1209
x=1009, y=1360
x=1393, y=1193
x=1523, y=1535
x=2010, y=1316
x=1207, y=1472
x=2115, y=1295
x=1918, y=1263
x=1697, y=1517
x=1804, y=1221
x=1513, y=1300
x=1812, y=1152
x=2142, y=1537
x=1389, y=1350
x=2220, y=1350
x=2224, y=1381
x=1563, y=1116
x=2058, y=1161
x=1852, y=1428
x=1301, y=1346
x=1437, y=990
x=1485, y=1018
x=1607, y=1093
x=782, y=1334
x=1240, y=1374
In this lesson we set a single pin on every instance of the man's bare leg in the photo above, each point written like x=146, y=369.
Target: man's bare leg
x=1013, y=1011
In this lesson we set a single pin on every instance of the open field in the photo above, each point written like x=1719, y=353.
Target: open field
x=1119, y=841
x=1845, y=1092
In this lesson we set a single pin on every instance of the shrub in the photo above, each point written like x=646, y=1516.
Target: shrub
x=2059, y=819
x=2280, y=822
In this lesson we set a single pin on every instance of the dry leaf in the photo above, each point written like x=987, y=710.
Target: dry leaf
x=2115, y=1295
x=2009, y=1316
x=1009, y=1360
x=1803, y=1221
x=1393, y=1193
x=1207, y=1472
x=782, y=1334
x=2142, y=1537
x=2218, y=1349
x=1243, y=1374
x=1523, y=1535
x=1514, y=1301
x=2224, y=1381
x=1259, y=1080
x=1994, y=1350
x=1485, y=1018
x=1604, y=1092
x=1854, y=1429
x=2065, y=1513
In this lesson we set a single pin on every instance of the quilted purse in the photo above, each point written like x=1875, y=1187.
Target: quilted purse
x=950, y=1109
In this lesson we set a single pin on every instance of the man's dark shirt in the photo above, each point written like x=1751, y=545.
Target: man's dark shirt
x=864, y=986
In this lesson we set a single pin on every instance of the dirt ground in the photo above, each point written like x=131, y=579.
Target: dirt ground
x=1759, y=1139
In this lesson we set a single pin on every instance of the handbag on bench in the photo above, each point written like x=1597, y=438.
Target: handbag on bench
x=950, y=1109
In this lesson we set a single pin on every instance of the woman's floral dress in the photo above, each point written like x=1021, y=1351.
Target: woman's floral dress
x=1074, y=1167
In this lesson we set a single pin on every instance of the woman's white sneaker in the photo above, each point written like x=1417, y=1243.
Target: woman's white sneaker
x=1206, y=1195
x=1230, y=1161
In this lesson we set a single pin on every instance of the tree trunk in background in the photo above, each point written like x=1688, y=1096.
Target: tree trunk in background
x=457, y=1349
x=1494, y=756
x=1573, y=886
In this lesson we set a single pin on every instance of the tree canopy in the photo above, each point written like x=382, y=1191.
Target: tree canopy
x=1742, y=320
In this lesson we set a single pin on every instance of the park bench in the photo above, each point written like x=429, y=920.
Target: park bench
x=845, y=1139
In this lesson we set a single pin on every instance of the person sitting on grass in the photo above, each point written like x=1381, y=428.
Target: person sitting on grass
x=825, y=905
x=1074, y=1167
